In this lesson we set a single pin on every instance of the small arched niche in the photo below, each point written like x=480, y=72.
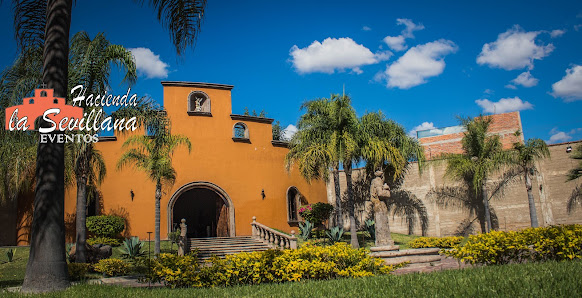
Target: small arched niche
x=240, y=131
x=198, y=103
x=294, y=200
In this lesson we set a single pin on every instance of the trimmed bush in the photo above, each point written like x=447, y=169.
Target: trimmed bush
x=308, y=262
x=104, y=241
x=105, y=225
x=112, y=267
x=533, y=244
x=440, y=242
x=316, y=213
x=77, y=271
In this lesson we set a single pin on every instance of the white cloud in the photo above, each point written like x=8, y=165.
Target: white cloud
x=510, y=86
x=149, y=64
x=419, y=63
x=514, y=49
x=557, y=33
x=334, y=54
x=557, y=136
x=488, y=91
x=570, y=86
x=423, y=126
x=577, y=27
x=504, y=105
x=289, y=131
x=397, y=43
x=525, y=79
x=366, y=28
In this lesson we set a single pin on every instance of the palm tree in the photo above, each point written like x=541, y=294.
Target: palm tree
x=524, y=159
x=90, y=65
x=385, y=146
x=482, y=156
x=153, y=155
x=575, y=173
x=46, y=24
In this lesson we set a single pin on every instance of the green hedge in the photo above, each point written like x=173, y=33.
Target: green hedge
x=105, y=225
x=533, y=244
x=440, y=242
x=308, y=262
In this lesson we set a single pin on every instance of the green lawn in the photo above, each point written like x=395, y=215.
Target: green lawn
x=550, y=279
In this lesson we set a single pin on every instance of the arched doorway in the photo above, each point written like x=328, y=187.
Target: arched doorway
x=207, y=208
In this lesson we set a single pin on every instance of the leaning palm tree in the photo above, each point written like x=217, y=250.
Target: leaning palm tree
x=525, y=156
x=482, y=156
x=153, y=155
x=46, y=24
x=575, y=173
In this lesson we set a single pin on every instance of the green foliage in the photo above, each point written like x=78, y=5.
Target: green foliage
x=440, y=242
x=263, y=114
x=308, y=262
x=316, y=213
x=78, y=271
x=246, y=112
x=105, y=225
x=277, y=131
x=305, y=229
x=533, y=244
x=371, y=228
x=335, y=234
x=112, y=267
x=10, y=254
x=132, y=248
x=174, y=236
x=576, y=197
x=104, y=241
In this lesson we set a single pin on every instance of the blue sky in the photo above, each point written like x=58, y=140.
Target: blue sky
x=421, y=62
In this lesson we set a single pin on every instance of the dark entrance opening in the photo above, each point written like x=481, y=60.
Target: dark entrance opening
x=205, y=212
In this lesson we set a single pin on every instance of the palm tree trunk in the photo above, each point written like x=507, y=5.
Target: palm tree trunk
x=532, y=205
x=157, y=229
x=486, y=205
x=47, y=267
x=338, y=197
x=351, y=211
x=81, y=231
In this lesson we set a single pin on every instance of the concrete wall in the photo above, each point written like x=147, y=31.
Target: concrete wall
x=550, y=189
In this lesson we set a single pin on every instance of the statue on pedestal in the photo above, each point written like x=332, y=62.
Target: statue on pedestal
x=183, y=240
x=380, y=192
x=198, y=104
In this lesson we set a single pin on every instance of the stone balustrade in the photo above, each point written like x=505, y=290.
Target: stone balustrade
x=273, y=237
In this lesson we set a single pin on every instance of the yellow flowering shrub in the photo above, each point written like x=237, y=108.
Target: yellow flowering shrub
x=307, y=262
x=440, y=242
x=112, y=267
x=563, y=242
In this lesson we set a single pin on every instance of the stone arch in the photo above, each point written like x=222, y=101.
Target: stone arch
x=293, y=199
x=203, y=185
x=240, y=131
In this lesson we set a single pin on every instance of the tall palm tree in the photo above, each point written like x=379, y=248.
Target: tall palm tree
x=90, y=65
x=575, y=173
x=153, y=155
x=384, y=145
x=482, y=156
x=309, y=147
x=47, y=24
x=526, y=154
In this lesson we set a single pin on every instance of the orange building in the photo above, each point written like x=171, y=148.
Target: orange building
x=235, y=171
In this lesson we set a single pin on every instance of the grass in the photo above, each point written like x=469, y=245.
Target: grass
x=550, y=279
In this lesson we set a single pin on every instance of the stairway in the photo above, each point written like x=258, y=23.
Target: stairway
x=222, y=246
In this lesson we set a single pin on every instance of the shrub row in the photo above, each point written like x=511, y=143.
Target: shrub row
x=104, y=241
x=533, y=244
x=308, y=262
x=441, y=242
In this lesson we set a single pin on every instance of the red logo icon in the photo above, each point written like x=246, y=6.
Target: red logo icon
x=43, y=104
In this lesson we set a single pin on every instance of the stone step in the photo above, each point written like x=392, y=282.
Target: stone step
x=406, y=252
x=412, y=259
x=234, y=248
x=226, y=245
x=222, y=246
x=384, y=248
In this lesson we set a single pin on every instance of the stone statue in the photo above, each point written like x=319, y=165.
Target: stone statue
x=380, y=192
x=198, y=104
x=183, y=240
